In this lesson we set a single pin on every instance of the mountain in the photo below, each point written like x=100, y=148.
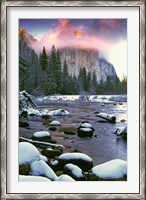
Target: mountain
x=77, y=58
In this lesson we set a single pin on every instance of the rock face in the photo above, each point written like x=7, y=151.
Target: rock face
x=77, y=58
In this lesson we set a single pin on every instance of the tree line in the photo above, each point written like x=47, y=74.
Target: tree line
x=45, y=75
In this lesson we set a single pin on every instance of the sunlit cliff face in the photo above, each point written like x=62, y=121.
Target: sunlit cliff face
x=108, y=36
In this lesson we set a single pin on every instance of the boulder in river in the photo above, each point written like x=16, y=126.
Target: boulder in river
x=80, y=159
x=74, y=171
x=109, y=117
x=51, y=153
x=28, y=153
x=122, y=132
x=85, y=130
x=112, y=170
x=41, y=136
x=59, y=112
x=40, y=168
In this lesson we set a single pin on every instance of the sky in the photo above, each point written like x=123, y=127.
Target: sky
x=108, y=36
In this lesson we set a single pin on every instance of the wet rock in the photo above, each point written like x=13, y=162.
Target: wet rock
x=50, y=153
x=41, y=136
x=55, y=165
x=74, y=171
x=123, y=120
x=59, y=112
x=23, y=113
x=45, y=116
x=53, y=128
x=58, y=148
x=59, y=173
x=122, y=132
x=24, y=169
x=69, y=133
x=55, y=123
x=110, y=118
x=85, y=132
x=23, y=124
x=81, y=160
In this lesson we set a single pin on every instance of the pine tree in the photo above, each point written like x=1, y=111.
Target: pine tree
x=108, y=86
x=94, y=83
x=117, y=86
x=124, y=85
x=44, y=59
x=66, y=79
x=58, y=74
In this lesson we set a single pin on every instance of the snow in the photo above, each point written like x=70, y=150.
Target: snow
x=44, y=158
x=40, y=134
x=23, y=178
x=86, y=125
x=75, y=156
x=28, y=153
x=92, y=98
x=105, y=115
x=37, y=112
x=64, y=177
x=122, y=131
x=75, y=170
x=33, y=111
x=55, y=162
x=55, y=123
x=113, y=169
x=59, y=112
x=41, y=168
x=86, y=129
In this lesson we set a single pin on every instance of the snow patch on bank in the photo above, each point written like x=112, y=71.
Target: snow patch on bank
x=28, y=153
x=23, y=178
x=113, y=169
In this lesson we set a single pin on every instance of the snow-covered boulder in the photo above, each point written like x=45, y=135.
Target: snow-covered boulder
x=112, y=170
x=33, y=179
x=55, y=123
x=86, y=125
x=44, y=158
x=59, y=112
x=64, y=177
x=25, y=101
x=41, y=136
x=74, y=171
x=40, y=168
x=81, y=160
x=109, y=117
x=28, y=153
x=122, y=132
x=85, y=132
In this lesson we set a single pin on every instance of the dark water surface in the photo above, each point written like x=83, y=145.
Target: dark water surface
x=103, y=146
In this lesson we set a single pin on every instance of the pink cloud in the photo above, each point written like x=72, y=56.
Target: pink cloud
x=66, y=35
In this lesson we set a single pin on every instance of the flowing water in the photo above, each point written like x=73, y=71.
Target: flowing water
x=103, y=146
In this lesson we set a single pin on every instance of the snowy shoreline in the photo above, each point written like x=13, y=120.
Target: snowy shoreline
x=81, y=98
